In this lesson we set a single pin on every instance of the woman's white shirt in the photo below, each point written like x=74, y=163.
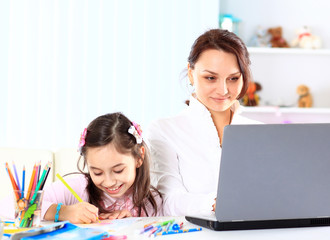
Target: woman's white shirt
x=185, y=159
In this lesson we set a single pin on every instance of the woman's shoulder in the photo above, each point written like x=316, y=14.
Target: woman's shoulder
x=164, y=126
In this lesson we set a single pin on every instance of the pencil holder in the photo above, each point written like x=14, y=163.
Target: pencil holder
x=1, y=228
x=28, y=208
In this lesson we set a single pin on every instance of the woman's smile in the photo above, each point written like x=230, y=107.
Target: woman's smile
x=219, y=99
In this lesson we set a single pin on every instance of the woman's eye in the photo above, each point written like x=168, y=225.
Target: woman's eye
x=119, y=171
x=234, y=78
x=97, y=174
x=210, y=78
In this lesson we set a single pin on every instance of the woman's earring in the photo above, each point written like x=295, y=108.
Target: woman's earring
x=192, y=88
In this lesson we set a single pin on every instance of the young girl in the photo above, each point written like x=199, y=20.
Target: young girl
x=117, y=183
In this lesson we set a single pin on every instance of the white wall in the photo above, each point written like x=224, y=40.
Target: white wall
x=281, y=73
x=291, y=15
x=65, y=62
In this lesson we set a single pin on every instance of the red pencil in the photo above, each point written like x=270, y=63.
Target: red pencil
x=35, y=180
x=15, y=187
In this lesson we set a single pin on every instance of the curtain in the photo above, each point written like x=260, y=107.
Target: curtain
x=65, y=62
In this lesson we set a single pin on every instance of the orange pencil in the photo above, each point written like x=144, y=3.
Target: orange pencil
x=15, y=187
x=31, y=182
x=35, y=177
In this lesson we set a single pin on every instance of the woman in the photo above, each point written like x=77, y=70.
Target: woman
x=186, y=149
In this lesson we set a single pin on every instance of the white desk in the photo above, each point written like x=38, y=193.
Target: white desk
x=318, y=233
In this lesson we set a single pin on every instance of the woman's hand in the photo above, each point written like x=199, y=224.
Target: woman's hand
x=81, y=212
x=214, y=205
x=116, y=214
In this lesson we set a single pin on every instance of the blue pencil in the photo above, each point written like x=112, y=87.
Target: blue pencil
x=180, y=231
x=23, y=181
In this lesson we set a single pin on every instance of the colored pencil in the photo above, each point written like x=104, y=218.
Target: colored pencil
x=43, y=183
x=147, y=225
x=71, y=190
x=31, y=182
x=38, y=177
x=35, y=180
x=166, y=222
x=39, y=183
x=23, y=181
x=16, y=176
x=12, y=181
x=179, y=231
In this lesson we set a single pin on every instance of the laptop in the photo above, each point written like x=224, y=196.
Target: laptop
x=272, y=176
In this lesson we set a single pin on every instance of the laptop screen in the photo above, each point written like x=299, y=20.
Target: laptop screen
x=275, y=171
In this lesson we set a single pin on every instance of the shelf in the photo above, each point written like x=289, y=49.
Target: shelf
x=272, y=114
x=274, y=109
x=261, y=50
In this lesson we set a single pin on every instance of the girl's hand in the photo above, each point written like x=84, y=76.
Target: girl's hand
x=116, y=214
x=81, y=212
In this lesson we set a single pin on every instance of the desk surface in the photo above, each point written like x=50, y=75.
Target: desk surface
x=277, y=234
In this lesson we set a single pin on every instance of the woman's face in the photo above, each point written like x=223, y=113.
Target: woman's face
x=217, y=79
x=111, y=171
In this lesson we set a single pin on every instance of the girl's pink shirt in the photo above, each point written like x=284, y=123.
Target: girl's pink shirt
x=57, y=193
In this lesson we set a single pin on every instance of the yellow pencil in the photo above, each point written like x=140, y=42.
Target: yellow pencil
x=71, y=190
x=15, y=230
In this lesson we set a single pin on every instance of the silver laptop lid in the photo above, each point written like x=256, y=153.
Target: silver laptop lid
x=276, y=171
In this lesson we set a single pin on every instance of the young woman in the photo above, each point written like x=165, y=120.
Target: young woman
x=186, y=149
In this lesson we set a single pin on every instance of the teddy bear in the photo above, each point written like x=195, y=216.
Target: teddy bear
x=305, y=98
x=305, y=39
x=261, y=38
x=276, y=38
x=251, y=98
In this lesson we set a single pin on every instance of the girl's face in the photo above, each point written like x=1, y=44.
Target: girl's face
x=217, y=79
x=111, y=171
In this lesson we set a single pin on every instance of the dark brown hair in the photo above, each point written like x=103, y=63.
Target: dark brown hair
x=113, y=128
x=226, y=41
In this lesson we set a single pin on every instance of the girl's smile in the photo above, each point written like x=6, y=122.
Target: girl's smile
x=114, y=190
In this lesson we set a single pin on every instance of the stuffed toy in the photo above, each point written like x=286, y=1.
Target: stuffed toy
x=251, y=98
x=306, y=40
x=276, y=38
x=261, y=38
x=305, y=98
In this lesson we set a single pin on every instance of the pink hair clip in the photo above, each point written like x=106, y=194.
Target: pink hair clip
x=82, y=140
x=136, y=131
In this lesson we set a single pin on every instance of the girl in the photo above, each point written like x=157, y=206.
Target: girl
x=117, y=183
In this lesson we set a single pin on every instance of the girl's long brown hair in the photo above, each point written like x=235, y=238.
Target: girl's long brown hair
x=113, y=128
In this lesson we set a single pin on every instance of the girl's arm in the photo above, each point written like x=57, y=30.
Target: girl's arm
x=81, y=212
x=56, y=193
